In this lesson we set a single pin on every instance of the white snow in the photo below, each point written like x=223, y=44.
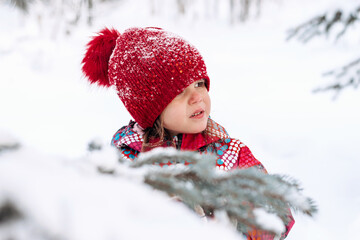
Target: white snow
x=7, y=139
x=106, y=159
x=69, y=199
x=270, y=222
x=260, y=90
x=155, y=151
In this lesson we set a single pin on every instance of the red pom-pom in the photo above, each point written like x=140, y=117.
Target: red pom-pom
x=96, y=60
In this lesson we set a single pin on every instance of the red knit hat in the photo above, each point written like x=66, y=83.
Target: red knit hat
x=148, y=66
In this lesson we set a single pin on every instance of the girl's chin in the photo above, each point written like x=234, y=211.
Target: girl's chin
x=191, y=129
x=198, y=129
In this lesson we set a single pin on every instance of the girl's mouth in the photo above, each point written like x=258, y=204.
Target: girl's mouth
x=198, y=114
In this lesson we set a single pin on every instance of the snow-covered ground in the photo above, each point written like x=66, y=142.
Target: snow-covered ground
x=261, y=91
x=61, y=198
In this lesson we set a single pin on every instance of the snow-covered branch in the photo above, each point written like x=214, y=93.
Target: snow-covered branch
x=239, y=193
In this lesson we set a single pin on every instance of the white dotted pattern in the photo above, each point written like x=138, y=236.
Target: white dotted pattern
x=231, y=155
x=217, y=133
x=127, y=140
x=124, y=156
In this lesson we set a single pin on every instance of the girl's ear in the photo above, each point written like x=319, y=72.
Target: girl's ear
x=98, y=52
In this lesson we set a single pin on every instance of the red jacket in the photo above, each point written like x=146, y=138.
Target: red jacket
x=232, y=153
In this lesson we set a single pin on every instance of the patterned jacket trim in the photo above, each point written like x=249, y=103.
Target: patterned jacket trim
x=232, y=153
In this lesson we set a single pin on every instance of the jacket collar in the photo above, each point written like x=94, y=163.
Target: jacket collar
x=131, y=136
x=213, y=133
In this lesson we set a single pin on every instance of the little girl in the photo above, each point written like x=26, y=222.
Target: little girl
x=163, y=83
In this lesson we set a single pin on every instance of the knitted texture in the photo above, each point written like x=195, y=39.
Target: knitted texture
x=149, y=67
x=95, y=62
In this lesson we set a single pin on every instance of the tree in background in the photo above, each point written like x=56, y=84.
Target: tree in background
x=337, y=22
x=239, y=10
x=66, y=14
x=72, y=11
x=23, y=5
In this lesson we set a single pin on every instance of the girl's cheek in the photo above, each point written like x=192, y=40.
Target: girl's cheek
x=163, y=115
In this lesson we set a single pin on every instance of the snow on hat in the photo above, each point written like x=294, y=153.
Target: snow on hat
x=148, y=66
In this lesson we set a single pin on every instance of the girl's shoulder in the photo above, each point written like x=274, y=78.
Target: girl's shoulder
x=232, y=153
x=128, y=137
x=128, y=140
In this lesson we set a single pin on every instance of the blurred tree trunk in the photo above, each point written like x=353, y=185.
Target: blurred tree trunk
x=258, y=7
x=240, y=9
x=232, y=11
x=153, y=8
x=244, y=10
x=23, y=5
x=181, y=6
x=90, y=8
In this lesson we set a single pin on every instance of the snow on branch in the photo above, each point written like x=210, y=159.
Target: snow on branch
x=53, y=197
x=7, y=141
x=238, y=193
x=55, y=193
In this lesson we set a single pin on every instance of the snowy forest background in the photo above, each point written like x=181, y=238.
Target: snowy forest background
x=261, y=90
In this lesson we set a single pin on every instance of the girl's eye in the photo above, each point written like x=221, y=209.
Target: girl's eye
x=200, y=84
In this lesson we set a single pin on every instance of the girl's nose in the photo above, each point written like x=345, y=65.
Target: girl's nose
x=195, y=97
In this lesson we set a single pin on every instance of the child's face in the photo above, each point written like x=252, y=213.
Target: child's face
x=188, y=112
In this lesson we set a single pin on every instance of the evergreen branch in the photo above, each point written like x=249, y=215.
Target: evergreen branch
x=8, y=143
x=323, y=24
x=8, y=212
x=4, y=147
x=350, y=21
x=346, y=76
x=304, y=29
x=23, y=5
x=336, y=18
x=237, y=193
x=163, y=156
